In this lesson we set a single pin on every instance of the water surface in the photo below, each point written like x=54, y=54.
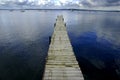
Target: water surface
x=24, y=42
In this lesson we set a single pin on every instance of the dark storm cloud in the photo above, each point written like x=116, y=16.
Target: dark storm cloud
x=102, y=2
x=113, y=1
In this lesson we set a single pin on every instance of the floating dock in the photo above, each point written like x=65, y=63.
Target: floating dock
x=61, y=63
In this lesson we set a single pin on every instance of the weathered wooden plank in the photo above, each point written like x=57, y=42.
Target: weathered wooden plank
x=61, y=63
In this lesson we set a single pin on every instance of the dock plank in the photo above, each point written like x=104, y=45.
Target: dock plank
x=61, y=63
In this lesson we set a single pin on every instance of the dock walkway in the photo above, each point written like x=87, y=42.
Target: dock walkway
x=61, y=63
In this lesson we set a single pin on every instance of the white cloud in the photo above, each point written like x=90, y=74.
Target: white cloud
x=42, y=2
x=21, y=0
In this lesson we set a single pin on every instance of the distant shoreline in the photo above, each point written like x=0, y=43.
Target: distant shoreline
x=65, y=9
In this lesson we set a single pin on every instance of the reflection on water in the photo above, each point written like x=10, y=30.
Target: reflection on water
x=96, y=42
x=96, y=58
x=24, y=41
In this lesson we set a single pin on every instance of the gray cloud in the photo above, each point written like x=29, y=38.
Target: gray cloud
x=62, y=3
x=101, y=2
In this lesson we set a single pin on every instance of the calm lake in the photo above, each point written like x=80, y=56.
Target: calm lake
x=24, y=42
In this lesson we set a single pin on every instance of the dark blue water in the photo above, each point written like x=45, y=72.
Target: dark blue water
x=24, y=42
x=96, y=43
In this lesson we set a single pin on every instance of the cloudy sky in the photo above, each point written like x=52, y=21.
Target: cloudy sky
x=79, y=4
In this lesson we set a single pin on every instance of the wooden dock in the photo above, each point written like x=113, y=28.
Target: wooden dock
x=61, y=63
